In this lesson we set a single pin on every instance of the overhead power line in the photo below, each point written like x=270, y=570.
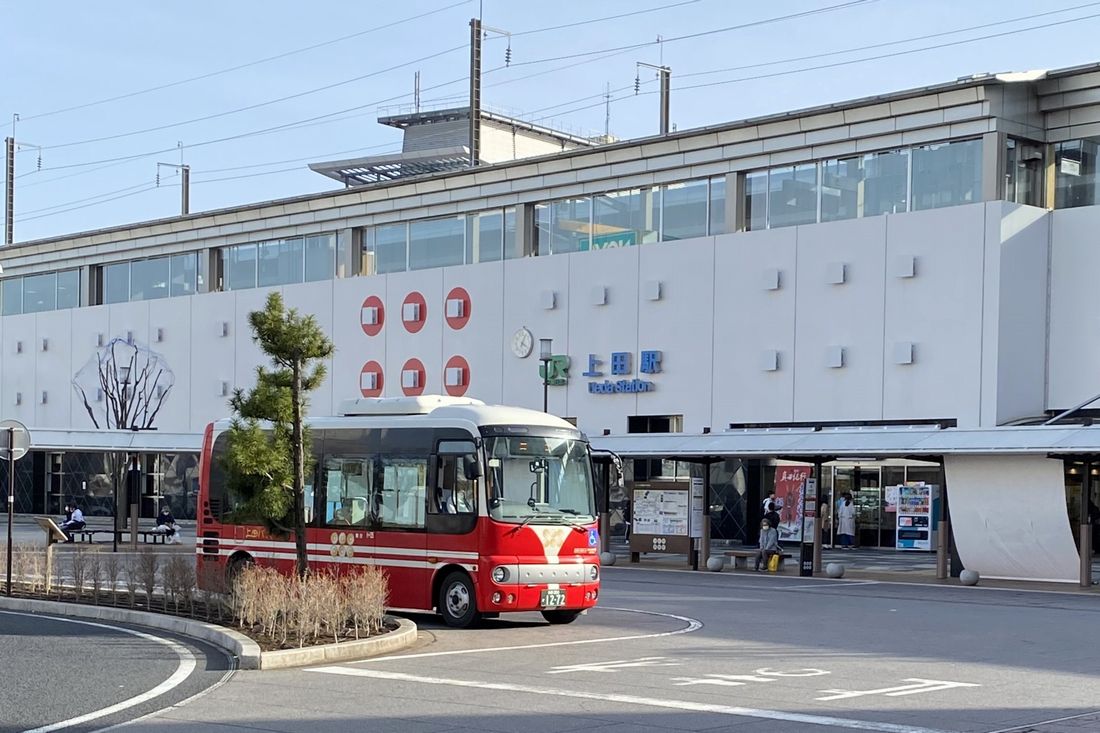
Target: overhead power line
x=257, y=62
x=591, y=21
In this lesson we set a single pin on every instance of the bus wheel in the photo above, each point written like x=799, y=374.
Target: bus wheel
x=237, y=563
x=561, y=617
x=457, y=603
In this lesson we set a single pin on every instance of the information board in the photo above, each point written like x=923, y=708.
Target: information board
x=698, y=506
x=660, y=519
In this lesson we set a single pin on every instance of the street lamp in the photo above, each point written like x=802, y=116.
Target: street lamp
x=545, y=355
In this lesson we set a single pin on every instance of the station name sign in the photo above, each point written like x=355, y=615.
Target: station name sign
x=621, y=365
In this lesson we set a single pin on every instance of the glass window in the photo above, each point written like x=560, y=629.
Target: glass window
x=684, y=210
x=280, y=262
x=68, y=289
x=841, y=188
x=718, y=205
x=484, y=237
x=885, y=183
x=756, y=200
x=348, y=491
x=624, y=218
x=437, y=242
x=40, y=293
x=511, y=245
x=116, y=283
x=11, y=296
x=240, y=270
x=569, y=224
x=1076, y=173
x=149, y=279
x=454, y=493
x=947, y=175
x=366, y=253
x=391, y=248
x=403, y=492
x=184, y=274
x=792, y=195
x=320, y=258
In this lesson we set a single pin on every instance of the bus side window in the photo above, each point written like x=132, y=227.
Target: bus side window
x=347, y=491
x=454, y=493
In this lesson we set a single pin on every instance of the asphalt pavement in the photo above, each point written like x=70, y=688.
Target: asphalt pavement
x=65, y=674
x=675, y=651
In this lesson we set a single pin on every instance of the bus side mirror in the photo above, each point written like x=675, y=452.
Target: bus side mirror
x=471, y=468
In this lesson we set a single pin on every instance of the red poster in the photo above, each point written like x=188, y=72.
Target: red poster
x=789, y=481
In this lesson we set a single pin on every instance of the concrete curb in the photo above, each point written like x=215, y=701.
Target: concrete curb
x=247, y=651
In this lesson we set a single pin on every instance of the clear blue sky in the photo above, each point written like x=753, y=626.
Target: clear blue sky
x=62, y=54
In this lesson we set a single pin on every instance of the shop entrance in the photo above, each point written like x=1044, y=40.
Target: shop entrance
x=869, y=484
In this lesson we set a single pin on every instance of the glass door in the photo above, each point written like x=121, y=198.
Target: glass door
x=867, y=497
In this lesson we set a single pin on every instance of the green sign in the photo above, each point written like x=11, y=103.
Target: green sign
x=559, y=371
x=610, y=241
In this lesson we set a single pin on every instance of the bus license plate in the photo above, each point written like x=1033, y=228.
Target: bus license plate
x=554, y=598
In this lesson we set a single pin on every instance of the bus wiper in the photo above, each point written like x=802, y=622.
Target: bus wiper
x=569, y=511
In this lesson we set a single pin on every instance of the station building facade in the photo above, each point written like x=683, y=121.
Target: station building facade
x=923, y=257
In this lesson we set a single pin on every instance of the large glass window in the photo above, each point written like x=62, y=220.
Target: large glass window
x=540, y=480
x=1076, y=173
x=184, y=274
x=348, y=491
x=624, y=218
x=947, y=175
x=485, y=236
x=320, y=257
x=280, y=262
x=512, y=249
x=568, y=226
x=1023, y=172
x=391, y=243
x=40, y=293
x=403, y=492
x=149, y=279
x=885, y=183
x=756, y=200
x=240, y=268
x=718, y=205
x=841, y=188
x=68, y=289
x=684, y=210
x=437, y=242
x=792, y=195
x=116, y=283
x=11, y=296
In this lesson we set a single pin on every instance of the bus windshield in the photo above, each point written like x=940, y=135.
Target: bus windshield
x=535, y=479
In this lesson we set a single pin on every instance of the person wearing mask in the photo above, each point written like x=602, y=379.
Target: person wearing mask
x=772, y=518
x=74, y=522
x=846, y=523
x=769, y=544
x=166, y=524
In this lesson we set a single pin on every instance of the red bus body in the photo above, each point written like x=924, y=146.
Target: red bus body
x=510, y=564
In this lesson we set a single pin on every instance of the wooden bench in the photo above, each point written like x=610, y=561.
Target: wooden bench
x=741, y=558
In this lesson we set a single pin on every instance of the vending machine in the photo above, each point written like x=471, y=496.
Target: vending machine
x=918, y=514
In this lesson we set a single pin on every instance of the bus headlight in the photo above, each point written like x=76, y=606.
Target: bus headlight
x=500, y=574
x=594, y=572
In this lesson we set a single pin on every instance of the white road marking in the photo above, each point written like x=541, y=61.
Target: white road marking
x=916, y=687
x=183, y=670
x=809, y=672
x=632, y=700
x=726, y=680
x=692, y=625
x=1032, y=726
x=615, y=664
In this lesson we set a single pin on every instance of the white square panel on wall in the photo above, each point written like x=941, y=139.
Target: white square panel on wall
x=834, y=357
x=769, y=360
x=599, y=295
x=369, y=316
x=548, y=299
x=651, y=290
x=771, y=279
x=368, y=380
x=903, y=266
x=903, y=352
x=455, y=377
x=836, y=273
x=410, y=378
x=410, y=312
x=456, y=308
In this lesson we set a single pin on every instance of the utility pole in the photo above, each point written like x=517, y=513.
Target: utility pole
x=9, y=190
x=416, y=92
x=607, y=114
x=185, y=185
x=476, y=31
x=666, y=82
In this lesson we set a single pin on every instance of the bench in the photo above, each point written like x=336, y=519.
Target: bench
x=741, y=557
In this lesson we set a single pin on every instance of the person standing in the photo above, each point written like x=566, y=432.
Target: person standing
x=771, y=516
x=769, y=545
x=769, y=500
x=825, y=510
x=846, y=522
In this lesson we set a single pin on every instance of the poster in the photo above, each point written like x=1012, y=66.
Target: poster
x=789, y=481
x=891, y=498
x=698, y=506
x=660, y=512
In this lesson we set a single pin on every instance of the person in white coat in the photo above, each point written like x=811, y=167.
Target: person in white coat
x=846, y=523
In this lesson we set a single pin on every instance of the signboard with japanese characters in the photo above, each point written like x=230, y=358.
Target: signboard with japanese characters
x=621, y=365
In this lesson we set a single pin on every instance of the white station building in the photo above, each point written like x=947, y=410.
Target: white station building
x=869, y=276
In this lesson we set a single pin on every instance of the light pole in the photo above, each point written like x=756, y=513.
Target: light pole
x=546, y=347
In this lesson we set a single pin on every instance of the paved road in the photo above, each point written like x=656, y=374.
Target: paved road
x=680, y=651
x=61, y=674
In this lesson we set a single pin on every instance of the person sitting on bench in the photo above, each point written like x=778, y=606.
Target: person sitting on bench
x=74, y=523
x=769, y=545
x=166, y=524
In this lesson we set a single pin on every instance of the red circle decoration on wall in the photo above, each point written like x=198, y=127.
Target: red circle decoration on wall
x=371, y=379
x=372, y=315
x=456, y=376
x=414, y=312
x=457, y=308
x=412, y=378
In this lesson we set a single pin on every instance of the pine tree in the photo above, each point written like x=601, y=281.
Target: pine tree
x=267, y=460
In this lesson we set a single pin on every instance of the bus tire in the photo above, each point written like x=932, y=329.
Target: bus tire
x=233, y=568
x=561, y=617
x=457, y=602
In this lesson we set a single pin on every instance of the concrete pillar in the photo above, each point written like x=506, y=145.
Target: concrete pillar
x=526, y=230
x=348, y=257
x=88, y=290
x=208, y=269
x=1049, y=178
x=735, y=199
x=993, y=165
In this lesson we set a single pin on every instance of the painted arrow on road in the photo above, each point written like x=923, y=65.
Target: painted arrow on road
x=916, y=687
x=614, y=665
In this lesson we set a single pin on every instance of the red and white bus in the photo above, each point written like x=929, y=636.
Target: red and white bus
x=472, y=510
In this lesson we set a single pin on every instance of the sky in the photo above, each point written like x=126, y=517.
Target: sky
x=91, y=133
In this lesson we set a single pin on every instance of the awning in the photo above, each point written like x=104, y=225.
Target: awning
x=862, y=442
x=108, y=441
